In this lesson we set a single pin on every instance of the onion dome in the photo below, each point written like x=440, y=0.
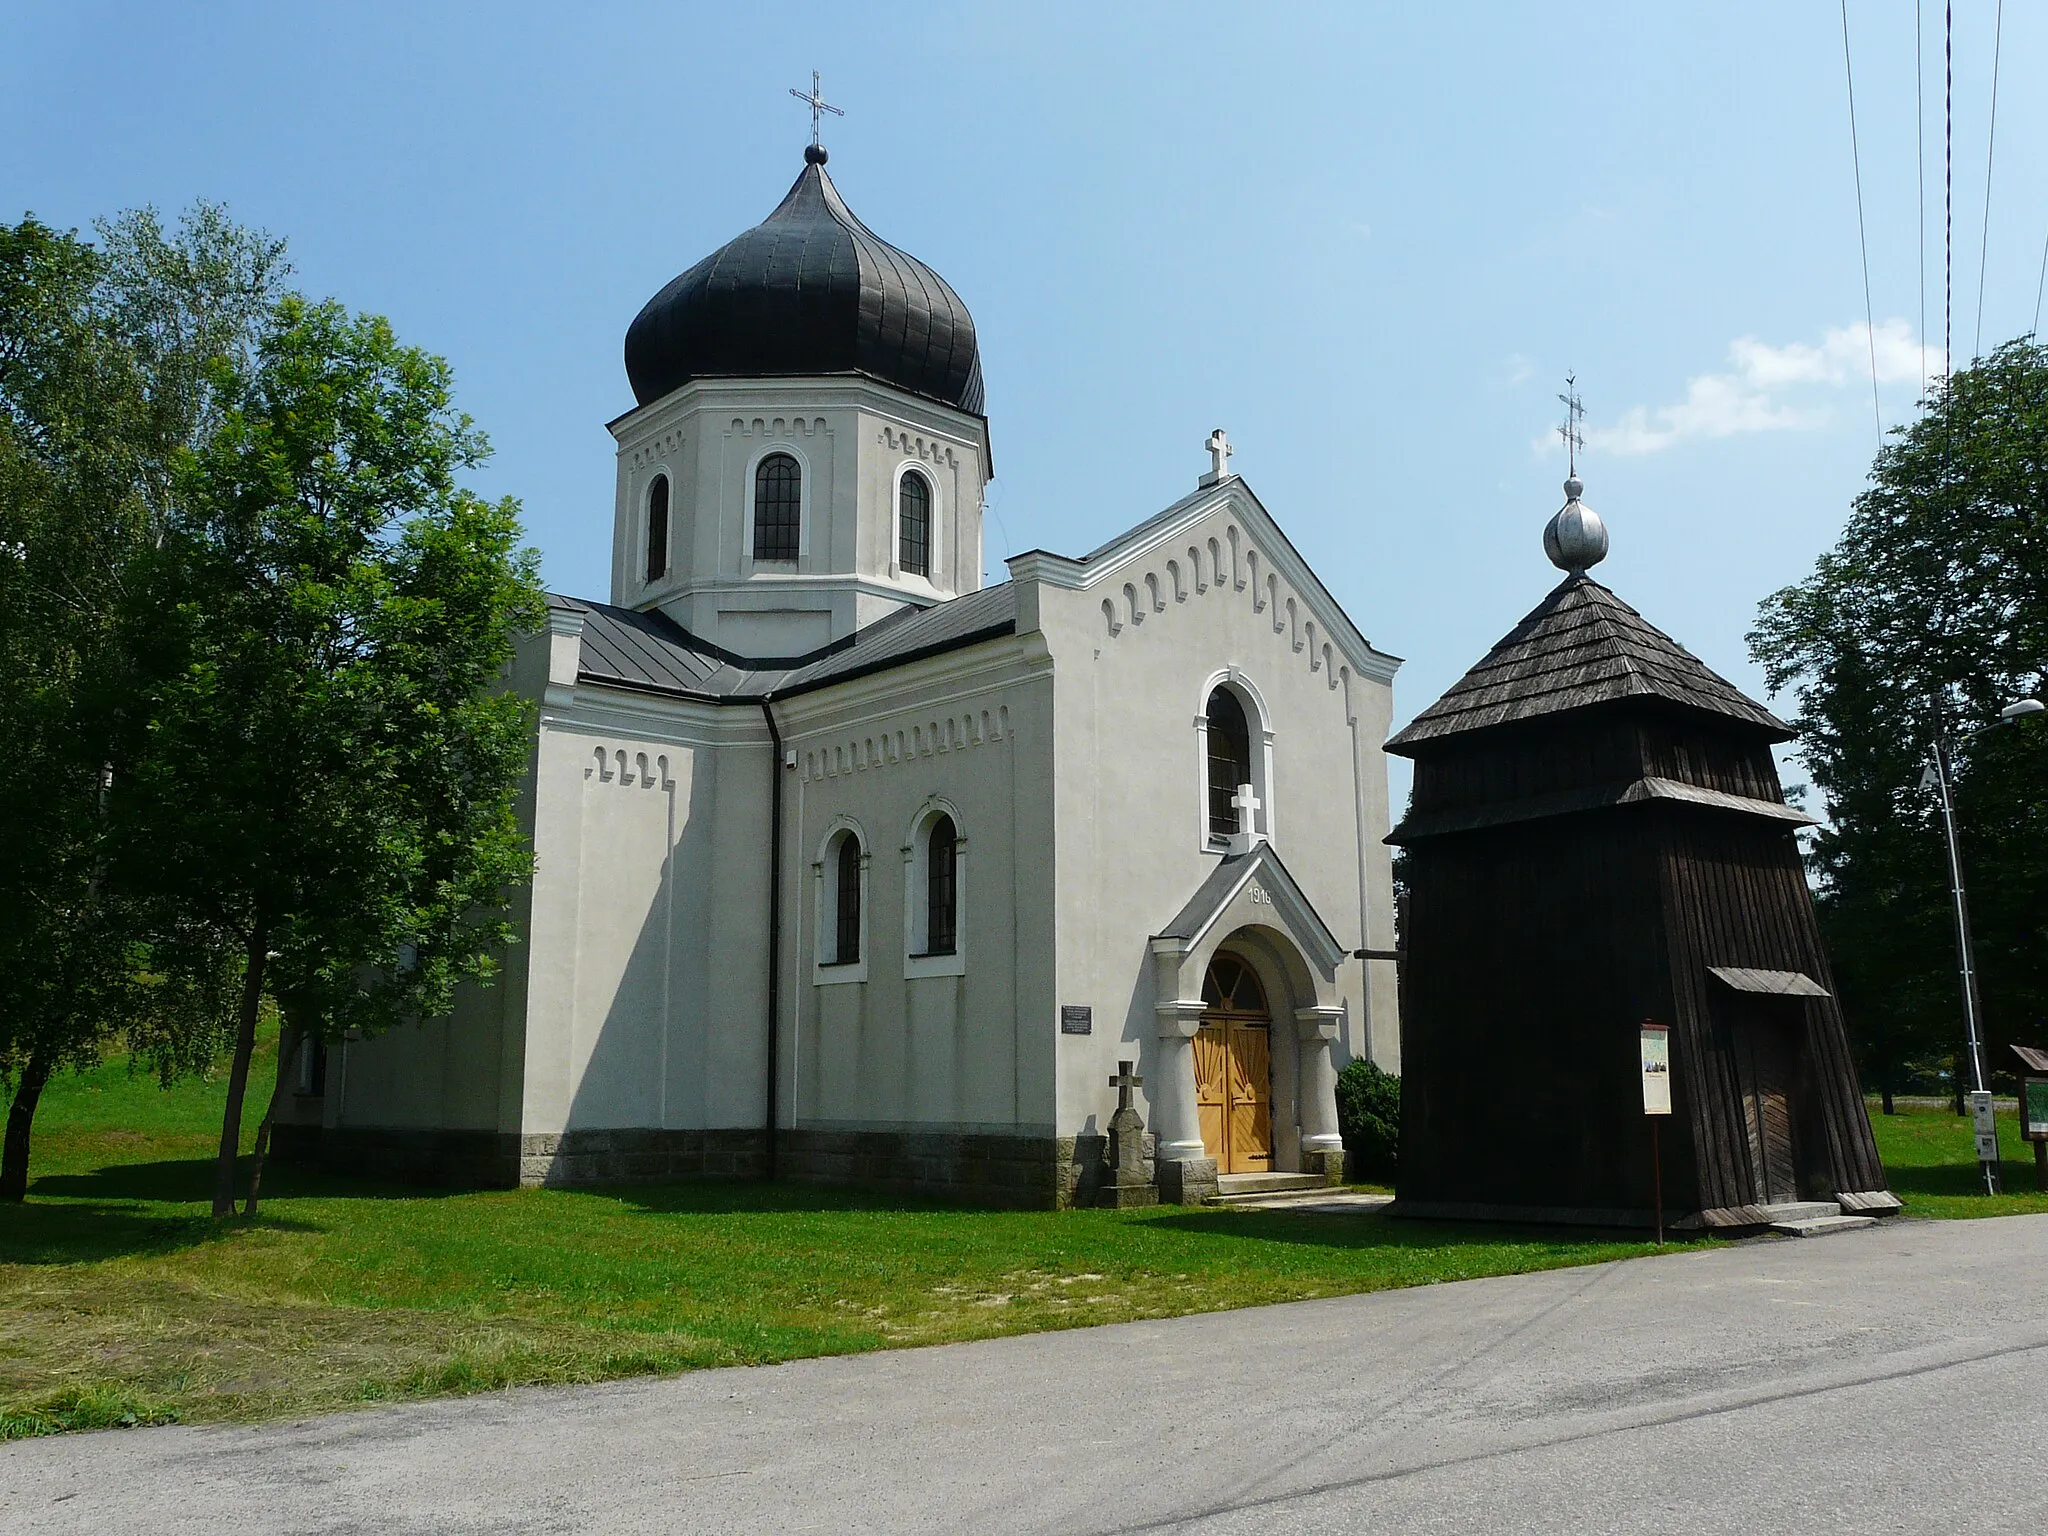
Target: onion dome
x=1575, y=538
x=809, y=290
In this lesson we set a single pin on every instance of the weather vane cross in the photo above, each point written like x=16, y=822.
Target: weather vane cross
x=817, y=103
x=1574, y=413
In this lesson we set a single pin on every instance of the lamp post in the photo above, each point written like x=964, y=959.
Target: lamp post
x=1980, y=1092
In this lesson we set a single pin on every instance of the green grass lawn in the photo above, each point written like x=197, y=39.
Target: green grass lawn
x=122, y=1302
x=1931, y=1159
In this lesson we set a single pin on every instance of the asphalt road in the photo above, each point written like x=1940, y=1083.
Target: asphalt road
x=1885, y=1380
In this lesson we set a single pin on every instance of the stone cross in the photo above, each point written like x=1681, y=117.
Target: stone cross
x=1123, y=1083
x=1248, y=805
x=1128, y=1181
x=1219, y=450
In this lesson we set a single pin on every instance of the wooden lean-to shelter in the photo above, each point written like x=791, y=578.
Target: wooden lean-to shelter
x=1598, y=839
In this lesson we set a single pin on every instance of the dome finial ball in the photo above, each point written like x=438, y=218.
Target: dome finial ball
x=814, y=154
x=1575, y=538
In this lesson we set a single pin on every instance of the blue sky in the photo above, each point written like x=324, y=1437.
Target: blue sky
x=1367, y=240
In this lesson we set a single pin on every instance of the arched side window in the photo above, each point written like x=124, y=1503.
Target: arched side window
x=846, y=901
x=914, y=524
x=657, y=528
x=1230, y=761
x=935, y=895
x=941, y=891
x=778, y=507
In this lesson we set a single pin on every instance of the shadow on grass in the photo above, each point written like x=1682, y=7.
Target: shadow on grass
x=85, y=1231
x=740, y=1197
x=189, y=1179
x=1375, y=1229
x=1909, y=1179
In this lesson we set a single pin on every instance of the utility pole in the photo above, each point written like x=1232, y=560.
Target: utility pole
x=1966, y=960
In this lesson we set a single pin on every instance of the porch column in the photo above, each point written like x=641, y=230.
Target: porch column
x=1322, y=1144
x=1176, y=1120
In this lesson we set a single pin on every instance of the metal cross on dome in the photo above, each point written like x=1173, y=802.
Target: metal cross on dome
x=1574, y=413
x=817, y=104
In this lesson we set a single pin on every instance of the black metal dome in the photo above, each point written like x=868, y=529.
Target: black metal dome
x=809, y=290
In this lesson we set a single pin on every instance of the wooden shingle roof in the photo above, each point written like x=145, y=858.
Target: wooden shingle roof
x=1581, y=646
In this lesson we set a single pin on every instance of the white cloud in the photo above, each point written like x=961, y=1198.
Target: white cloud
x=1766, y=389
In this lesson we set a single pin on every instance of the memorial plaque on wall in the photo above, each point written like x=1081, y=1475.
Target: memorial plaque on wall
x=1656, y=1041
x=1077, y=1019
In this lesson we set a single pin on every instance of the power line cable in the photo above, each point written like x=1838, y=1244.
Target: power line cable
x=1862, y=240
x=1920, y=164
x=2040, y=283
x=1990, y=149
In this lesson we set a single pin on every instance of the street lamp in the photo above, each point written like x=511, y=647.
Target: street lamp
x=1980, y=1092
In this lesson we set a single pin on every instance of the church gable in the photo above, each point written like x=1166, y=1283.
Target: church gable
x=1220, y=539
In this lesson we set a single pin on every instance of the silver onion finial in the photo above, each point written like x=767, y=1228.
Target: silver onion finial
x=1575, y=539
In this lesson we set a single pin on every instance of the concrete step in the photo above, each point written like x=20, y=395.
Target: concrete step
x=1255, y=1188
x=1800, y=1210
x=1821, y=1226
x=1266, y=1182
x=1329, y=1200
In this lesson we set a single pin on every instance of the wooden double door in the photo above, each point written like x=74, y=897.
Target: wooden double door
x=1234, y=1069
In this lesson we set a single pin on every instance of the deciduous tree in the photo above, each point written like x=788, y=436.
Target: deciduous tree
x=329, y=770
x=1937, y=590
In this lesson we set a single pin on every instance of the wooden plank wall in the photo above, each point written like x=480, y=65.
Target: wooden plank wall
x=1534, y=950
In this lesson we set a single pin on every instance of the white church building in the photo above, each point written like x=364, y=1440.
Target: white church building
x=851, y=868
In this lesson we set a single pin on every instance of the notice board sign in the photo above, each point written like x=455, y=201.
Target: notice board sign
x=1656, y=1043
x=2034, y=1108
x=1077, y=1019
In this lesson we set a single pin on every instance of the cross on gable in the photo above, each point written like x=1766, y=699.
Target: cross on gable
x=1124, y=1081
x=1220, y=450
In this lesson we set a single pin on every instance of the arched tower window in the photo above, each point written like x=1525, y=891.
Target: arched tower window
x=846, y=903
x=657, y=528
x=914, y=524
x=778, y=507
x=1230, y=760
x=941, y=889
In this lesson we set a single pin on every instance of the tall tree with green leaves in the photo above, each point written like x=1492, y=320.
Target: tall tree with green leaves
x=1935, y=600
x=329, y=771
x=104, y=354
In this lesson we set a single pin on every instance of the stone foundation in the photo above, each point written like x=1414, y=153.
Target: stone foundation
x=491, y=1160
x=1033, y=1172
x=1038, y=1172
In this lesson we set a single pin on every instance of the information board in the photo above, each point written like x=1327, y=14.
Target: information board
x=1656, y=1069
x=2034, y=1108
x=1077, y=1019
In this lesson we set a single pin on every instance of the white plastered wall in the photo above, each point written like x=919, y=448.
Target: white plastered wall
x=1213, y=594
x=959, y=1047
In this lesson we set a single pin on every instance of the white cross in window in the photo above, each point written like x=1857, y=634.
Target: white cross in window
x=1247, y=804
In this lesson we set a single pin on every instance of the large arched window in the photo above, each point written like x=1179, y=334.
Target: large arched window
x=941, y=889
x=657, y=528
x=778, y=507
x=914, y=524
x=846, y=901
x=1230, y=761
